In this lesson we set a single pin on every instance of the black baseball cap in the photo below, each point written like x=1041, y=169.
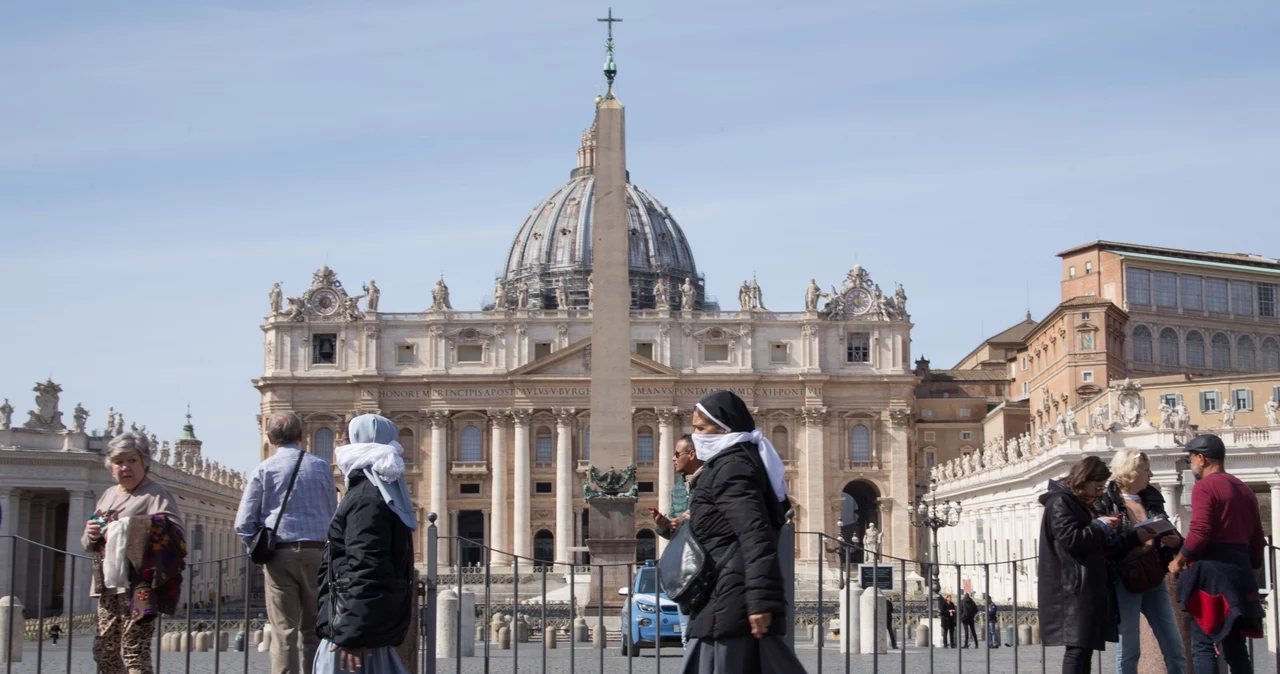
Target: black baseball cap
x=1208, y=446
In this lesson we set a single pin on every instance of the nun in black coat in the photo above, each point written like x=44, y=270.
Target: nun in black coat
x=736, y=514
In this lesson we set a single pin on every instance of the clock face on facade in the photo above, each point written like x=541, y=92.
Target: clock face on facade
x=859, y=300
x=325, y=301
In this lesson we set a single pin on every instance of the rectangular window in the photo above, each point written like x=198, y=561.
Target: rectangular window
x=1242, y=298
x=930, y=436
x=1086, y=376
x=470, y=353
x=966, y=435
x=1215, y=295
x=542, y=450
x=1088, y=268
x=1243, y=399
x=1024, y=363
x=1138, y=282
x=778, y=353
x=542, y=488
x=324, y=349
x=645, y=349
x=1275, y=393
x=859, y=348
x=1171, y=399
x=541, y=350
x=644, y=487
x=928, y=414
x=1209, y=401
x=1192, y=293
x=1071, y=271
x=1267, y=300
x=715, y=353
x=404, y=354
x=644, y=449
x=1024, y=389
x=1164, y=288
x=1084, y=316
x=930, y=459
x=964, y=412
x=469, y=488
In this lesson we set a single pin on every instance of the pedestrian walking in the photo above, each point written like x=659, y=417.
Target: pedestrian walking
x=1140, y=587
x=993, y=624
x=293, y=493
x=737, y=511
x=366, y=591
x=888, y=623
x=968, y=616
x=1077, y=606
x=687, y=468
x=1219, y=562
x=55, y=631
x=136, y=533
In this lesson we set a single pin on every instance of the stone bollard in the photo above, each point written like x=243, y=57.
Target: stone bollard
x=875, y=637
x=11, y=610
x=922, y=635
x=813, y=634
x=504, y=638
x=480, y=632
x=1035, y=634
x=203, y=642
x=548, y=638
x=166, y=642
x=268, y=634
x=495, y=626
x=851, y=613
x=598, y=636
x=255, y=638
x=1024, y=635
x=581, y=633
x=522, y=629
x=447, y=624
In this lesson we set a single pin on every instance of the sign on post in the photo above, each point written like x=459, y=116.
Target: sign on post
x=882, y=573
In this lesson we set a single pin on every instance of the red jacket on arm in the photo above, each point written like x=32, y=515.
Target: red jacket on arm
x=1224, y=511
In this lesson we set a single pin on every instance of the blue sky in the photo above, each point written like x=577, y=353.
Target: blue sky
x=164, y=162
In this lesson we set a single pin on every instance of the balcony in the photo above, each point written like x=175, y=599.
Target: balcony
x=466, y=468
x=583, y=465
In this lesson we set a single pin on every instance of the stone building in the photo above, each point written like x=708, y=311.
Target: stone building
x=492, y=402
x=53, y=477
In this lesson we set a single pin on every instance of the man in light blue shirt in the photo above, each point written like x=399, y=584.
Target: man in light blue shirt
x=290, y=586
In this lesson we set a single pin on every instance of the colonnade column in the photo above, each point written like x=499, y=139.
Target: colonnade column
x=498, y=539
x=565, y=418
x=79, y=508
x=666, y=468
x=814, y=471
x=523, y=525
x=440, y=482
x=8, y=527
x=1275, y=512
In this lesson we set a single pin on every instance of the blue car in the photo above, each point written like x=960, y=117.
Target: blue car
x=647, y=617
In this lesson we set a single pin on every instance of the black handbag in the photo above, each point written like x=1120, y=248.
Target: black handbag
x=687, y=572
x=262, y=548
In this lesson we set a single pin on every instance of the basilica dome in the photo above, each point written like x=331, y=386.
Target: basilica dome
x=553, y=245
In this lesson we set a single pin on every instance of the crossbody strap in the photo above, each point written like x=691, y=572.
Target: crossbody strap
x=296, y=467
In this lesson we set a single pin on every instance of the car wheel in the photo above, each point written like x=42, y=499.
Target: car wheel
x=626, y=650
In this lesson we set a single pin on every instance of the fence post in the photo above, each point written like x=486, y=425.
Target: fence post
x=787, y=560
x=429, y=620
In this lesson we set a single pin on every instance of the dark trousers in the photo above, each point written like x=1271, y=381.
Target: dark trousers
x=969, y=630
x=893, y=638
x=1235, y=650
x=949, y=635
x=1077, y=660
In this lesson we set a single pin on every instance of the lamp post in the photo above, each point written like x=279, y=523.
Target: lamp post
x=931, y=514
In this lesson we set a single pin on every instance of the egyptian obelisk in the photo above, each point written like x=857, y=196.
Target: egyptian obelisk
x=612, y=518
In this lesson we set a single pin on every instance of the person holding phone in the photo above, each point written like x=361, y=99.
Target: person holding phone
x=687, y=468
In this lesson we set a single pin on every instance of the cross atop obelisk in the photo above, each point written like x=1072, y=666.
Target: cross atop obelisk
x=610, y=69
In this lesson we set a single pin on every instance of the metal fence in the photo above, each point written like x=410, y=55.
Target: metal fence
x=539, y=607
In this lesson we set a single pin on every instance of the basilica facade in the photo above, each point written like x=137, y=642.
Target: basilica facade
x=493, y=407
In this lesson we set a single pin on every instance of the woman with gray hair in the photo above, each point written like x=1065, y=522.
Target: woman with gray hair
x=135, y=526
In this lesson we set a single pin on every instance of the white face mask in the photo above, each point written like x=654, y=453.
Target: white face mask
x=707, y=445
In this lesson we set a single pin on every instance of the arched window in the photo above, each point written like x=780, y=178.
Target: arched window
x=1270, y=355
x=323, y=444
x=470, y=446
x=1221, y=347
x=544, y=548
x=1195, y=349
x=646, y=546
x=542, y=446
x=781, y=441
x=1168, y=346
x=644, y=445
x=1142, y=344
x=859, y=444
x=1245, y=354
x=406, y=441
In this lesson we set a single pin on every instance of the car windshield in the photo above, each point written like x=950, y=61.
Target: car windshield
x=647, y=582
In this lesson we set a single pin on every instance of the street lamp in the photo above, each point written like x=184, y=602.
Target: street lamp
x=935, y=517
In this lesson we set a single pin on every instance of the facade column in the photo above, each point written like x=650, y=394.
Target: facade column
x=666, y=468
x=1275, y=515
x=79, y=508
x=565, y=418
x=1169, y=491
x=814, y=471
x=440, y=483
x=25, y=551
x=8, y=527
x=897, y=443
x=523, y=522
x=498, y=538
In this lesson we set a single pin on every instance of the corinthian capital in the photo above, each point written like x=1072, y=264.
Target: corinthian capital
x=668, y=416
x=565, y=416
x=499, y=417
x=438, y=418
x=521, y=417
x=813, y=416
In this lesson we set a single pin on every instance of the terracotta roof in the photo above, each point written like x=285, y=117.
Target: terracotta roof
x=969, y=375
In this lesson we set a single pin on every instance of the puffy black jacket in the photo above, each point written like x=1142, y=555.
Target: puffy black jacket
x=734, y=521
x=968, y=610
x=1076, y=592
x=370, y=551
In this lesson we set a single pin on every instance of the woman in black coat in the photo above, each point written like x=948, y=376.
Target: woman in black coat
x=736, y=513
x=366, y=578
x=1077, y=602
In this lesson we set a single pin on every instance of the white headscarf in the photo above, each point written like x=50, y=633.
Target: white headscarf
x=374, y=450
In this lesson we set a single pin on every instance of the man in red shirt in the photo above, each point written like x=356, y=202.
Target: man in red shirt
x=1224, y=548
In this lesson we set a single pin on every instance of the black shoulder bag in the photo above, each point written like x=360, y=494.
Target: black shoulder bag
x=263, y=546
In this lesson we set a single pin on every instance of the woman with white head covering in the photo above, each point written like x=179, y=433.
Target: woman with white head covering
x=366, y=579
x=736, y=513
